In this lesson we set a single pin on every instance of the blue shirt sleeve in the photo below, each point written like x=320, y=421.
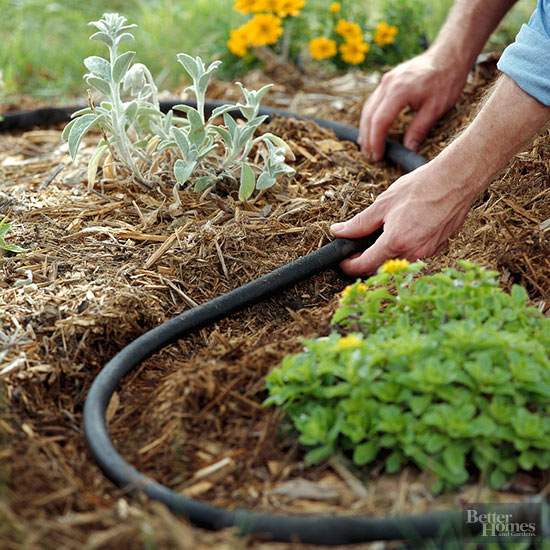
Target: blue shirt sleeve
x=527, y=60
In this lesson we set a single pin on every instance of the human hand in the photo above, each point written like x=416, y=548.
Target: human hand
x=427, y=84
x=419, y=211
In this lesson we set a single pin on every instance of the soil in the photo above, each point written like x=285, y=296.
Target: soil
x=104, y=265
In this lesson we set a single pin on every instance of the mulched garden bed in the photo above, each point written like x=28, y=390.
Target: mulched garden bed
x=105, y=265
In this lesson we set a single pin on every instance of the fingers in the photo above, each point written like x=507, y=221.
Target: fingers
x=366, y=113
x=370, y=260
x=379, y=121
x=418, y=129
x=360, y=225
x=378, y=114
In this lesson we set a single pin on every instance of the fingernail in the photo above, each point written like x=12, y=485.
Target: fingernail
x=336, y=227
x=376, y=157
x=371, y=155
x=413, y=145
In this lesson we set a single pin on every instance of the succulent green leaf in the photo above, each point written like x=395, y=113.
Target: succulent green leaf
x=365, y=453
x=497, y=478
x=4, y=226
x=11, y=247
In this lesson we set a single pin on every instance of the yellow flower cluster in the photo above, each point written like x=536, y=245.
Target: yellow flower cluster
x=394, y=266
x=361, y=289
x=262, y=30
x=282, y=8
x=349, y=341
x=350, y=32
x=265, y=27
x=385, y=34
x=354, y=48
x=354, y=52
x=322, y=48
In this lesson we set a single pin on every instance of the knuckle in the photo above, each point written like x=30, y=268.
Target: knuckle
x=399, y=243
x=386, y=78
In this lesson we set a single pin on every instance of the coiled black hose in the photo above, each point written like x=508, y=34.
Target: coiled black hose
x=326, y=530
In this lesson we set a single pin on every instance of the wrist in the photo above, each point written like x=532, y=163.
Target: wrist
x=467, y=175
x=448, y=57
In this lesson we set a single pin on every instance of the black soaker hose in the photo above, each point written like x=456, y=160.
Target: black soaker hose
x=395, y=152
x=326, y=530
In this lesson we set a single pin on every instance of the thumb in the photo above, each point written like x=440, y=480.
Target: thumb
x=360, y=225
x=420, y=126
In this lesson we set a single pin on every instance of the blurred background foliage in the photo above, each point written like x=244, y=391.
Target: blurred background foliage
x=42, y=44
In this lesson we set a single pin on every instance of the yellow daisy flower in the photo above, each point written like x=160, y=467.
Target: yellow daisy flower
x=290, y=7
x=385, y=34
x=361, y=288
x=264, y=29
x=246, y=6
x=349, y=31
x=322, y=48
x=394, y=266
x=349, y=341
x=268, y=5
x=238, y=41
x=335, y=7
x=353, y=52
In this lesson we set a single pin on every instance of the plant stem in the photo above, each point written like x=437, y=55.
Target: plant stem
x=117, y=111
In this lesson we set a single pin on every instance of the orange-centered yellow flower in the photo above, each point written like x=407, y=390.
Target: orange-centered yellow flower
x=335, y=7
x=394, y=266
x=385, y=34
x=264, y=29
x=353, y=52
x=246, y=6
x=322, y=48
x=349, y=341
x=349, y=31
x=268, y=5
x=238, y=41
x=290, y=7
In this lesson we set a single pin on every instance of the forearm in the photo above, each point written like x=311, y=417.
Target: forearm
x=466, y=30
x=507, y=121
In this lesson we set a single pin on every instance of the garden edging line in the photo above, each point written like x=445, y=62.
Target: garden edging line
x=326, y=530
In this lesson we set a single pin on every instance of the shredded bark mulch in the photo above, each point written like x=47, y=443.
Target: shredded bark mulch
x=104, y=265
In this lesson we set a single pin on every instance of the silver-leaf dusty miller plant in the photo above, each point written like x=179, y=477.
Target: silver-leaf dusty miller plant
x=130, y=119
x=118, y=119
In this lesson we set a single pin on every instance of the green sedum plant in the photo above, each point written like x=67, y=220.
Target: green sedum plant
x=444, y=371
x=137, y=133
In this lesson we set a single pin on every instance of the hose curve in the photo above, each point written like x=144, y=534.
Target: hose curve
x=326, y=530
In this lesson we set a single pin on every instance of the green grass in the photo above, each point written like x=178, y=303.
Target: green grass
x=42, y=44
